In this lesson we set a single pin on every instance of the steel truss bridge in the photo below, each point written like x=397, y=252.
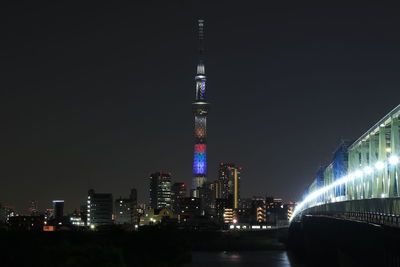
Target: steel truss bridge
x=362, y=181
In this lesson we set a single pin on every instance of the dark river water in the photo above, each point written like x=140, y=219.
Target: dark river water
x=242, y=258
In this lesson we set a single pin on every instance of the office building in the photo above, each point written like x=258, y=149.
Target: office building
x=99, y=209
x=190, y=209
x=76, y=219
x=58, y=210
x=225, y=193
x=160, y=190
x=276, y=211
x=126, y=209
x=290, y=209
x=33, y=208
x=207, y=195
x=258, y=210
x=178, y=191
x=228, y=184
x=221, y=205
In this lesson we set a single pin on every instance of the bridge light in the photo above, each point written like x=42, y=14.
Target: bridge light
x=380, y=165
x=350, y=177
x=359, y=173
x=393, y=160
x=368, y=170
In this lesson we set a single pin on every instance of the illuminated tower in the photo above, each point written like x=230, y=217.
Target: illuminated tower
x=200, y=111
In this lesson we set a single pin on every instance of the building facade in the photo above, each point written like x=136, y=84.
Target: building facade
x=228, y=184
x=189, y=209
x=258, y=210
x=160, y=190
x=126, y=209
x=99, y=209
x=58, y=210
x=226, y=190
x=178, y=191
x=33, y=208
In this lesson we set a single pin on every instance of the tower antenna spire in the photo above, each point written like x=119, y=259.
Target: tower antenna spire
x=201, y=38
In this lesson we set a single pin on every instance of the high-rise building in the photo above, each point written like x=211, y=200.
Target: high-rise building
x=200, y=110
x=276, y=211
x=48, y=215
x=33, y=207
x=160, y=190
x=58, y=210
x=227, y=192
x=10, y=212
x=179, y=191
x=221, y=205
x=125, y=209
x=229, y=184
x=258, y=210
x=290, y=209
x=99, y=209
x=207, y=195
x=189, y=209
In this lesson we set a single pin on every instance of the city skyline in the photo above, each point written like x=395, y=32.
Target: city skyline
x=83, y=109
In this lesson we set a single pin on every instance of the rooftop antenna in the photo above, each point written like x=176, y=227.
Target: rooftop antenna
x=200, y=66
x=201, y=38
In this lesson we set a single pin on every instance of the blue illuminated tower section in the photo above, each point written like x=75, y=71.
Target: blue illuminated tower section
x=200, y=111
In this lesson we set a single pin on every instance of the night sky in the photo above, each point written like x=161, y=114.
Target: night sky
x=99, y=96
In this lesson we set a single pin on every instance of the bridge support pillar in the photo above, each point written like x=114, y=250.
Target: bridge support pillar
x=381, y=190
x=372, y=160
x=350, y=187
x=394, y=148
x=364, y=188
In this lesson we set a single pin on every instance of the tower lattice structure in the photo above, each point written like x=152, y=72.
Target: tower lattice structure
x=200, y=111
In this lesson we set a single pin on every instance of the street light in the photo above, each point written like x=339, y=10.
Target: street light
x=393, y=160
x=380, y=165
x=368, y=170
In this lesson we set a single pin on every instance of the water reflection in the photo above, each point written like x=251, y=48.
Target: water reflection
x=242, y=258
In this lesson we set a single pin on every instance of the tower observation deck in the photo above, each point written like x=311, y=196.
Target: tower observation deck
x=200, y=111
